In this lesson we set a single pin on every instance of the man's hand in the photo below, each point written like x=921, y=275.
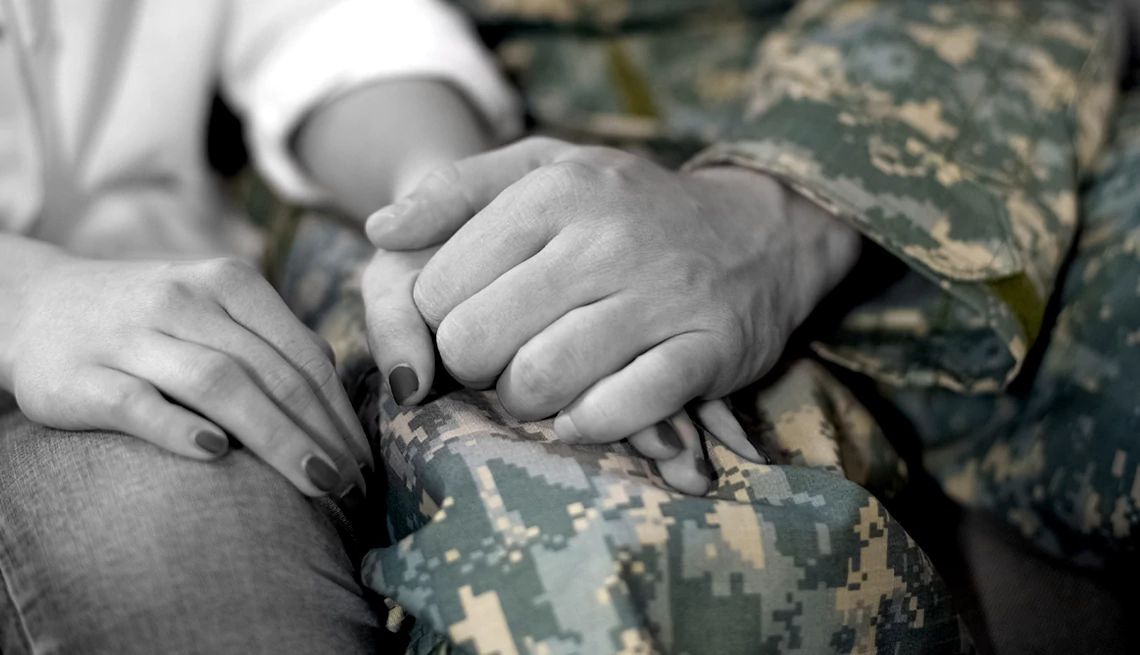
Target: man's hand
x=402, y=344
x=181, y=355
x=594, y=284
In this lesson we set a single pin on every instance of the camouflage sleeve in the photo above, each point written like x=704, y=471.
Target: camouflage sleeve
x=1059, y=459
x=953, y=134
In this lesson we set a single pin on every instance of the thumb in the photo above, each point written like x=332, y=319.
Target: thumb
x=447, y=198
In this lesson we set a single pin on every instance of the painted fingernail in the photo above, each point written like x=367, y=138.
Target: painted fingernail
x=403, y=382
x=566, y=429
x=704, y=469
x=212, y=442
x=352, y=499
x=668, y=435
x=760, y=457
x=321, y=473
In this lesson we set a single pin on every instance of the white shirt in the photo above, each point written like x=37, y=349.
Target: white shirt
x=103, y=105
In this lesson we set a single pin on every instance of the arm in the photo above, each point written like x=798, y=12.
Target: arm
x=368, y=147
x=965, y=164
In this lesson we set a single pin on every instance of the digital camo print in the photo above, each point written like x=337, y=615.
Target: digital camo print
x=947, y=132
x=509, y=541
x=951, y=133
x=1059, y=457
x=512, y=542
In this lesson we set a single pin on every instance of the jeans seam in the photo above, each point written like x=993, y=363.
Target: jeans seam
x=21, y=620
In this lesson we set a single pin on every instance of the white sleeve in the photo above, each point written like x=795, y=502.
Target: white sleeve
x=282, y=58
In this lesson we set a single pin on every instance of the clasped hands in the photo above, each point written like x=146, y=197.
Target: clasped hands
x=584, y=283
x=591, y=285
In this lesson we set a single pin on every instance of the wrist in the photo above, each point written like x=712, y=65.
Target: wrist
x=819, y=249
x=26, y=261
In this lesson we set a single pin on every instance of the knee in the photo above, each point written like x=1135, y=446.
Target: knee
x=108, y=540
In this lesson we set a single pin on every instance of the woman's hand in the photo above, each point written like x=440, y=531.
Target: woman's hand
x=181, y=355
x=594, y=284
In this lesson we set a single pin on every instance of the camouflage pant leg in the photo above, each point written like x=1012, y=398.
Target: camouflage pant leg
x=509, y=541
x=1058, y=456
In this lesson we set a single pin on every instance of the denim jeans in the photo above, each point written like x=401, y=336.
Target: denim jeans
x=110, y=545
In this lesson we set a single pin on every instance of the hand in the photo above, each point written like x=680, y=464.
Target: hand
x=402, y=344
x=595, y=284
x=182, y=354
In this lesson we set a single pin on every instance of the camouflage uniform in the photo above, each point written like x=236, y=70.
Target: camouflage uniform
x=951, y=134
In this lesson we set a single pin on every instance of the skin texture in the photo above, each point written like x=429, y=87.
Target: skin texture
x=592, y=284
x=187, y=354
x=167, y=352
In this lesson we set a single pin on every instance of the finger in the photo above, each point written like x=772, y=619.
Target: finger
x=283, y=383
x=476, y=341
x=213, y=385
x=254, y=304
x=400, y=341
x=659, y=441
x=648, y=390
x=513, y=228
x=720, y=422
x=689, y=472
x=450, y=196
x=587, y=344
x=324, y=345
x=123, y=403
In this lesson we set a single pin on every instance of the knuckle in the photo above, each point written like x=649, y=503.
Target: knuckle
x=456, y=341
x=291, y=392
x=537, y=378
x=227, y=270
x=320, y=371
x=123, y=401
x=212, y=373
x=542, y=143
x=605, y=158
x=168, y=295
x=562, y=178
x=427, y=298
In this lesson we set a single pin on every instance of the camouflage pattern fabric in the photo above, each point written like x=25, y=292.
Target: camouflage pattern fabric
x=947, y=132
x=955, y=136
x=511, y=542
x=951, y=133
x=1059, y=456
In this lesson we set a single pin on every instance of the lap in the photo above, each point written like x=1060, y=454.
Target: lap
x=510, y=540
x=112, y=545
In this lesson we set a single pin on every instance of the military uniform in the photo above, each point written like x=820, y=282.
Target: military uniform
x=954, y=135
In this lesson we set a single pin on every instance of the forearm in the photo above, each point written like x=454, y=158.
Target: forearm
x=22, y=260
x=370, y=146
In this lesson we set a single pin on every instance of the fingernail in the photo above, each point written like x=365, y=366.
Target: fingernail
x=566, y=429
x=758, y=456
x=321, y=473
x=352, y=499
x=704, y=469
x=212, y=442
x=668, y=435
x=403, y=382
x=381, y=222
